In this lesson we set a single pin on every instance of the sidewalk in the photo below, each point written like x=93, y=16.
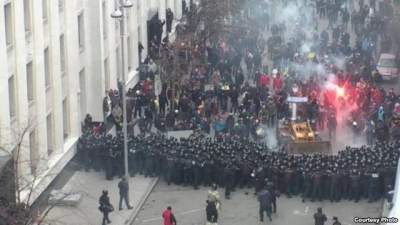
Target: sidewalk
x=90, y=186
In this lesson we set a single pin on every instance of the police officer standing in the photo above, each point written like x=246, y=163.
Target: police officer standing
x=373, y=186
x=188, y=169
x=288, y=181
x=228, y=180
x=334, y=194
x=87, y=152
x=170, y=169
x=196, y=174
x=354, y=186
x=109, y=164
x=259, y=176
x=307, y=182
x=208, y=171
x=317, y=185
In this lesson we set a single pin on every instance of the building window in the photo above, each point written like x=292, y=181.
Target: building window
x=81, y=32
x=129, y=45
x=65, y=110
x=9, y=24
x=44, y=10
x=30, y=82
x=47, y=68
x=82, y=96
x=27, y=16
x=118, y=54
x=11, y=96
x=107, y=74
x=33, y=151
x=49, y=123
x=61, y=5
x=62, y=54
x=104, y=8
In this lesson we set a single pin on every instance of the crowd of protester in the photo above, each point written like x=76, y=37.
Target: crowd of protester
x=236, y=90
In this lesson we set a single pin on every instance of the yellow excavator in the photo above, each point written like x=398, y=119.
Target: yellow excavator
x=296, y=136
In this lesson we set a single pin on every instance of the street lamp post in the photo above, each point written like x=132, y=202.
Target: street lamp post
x=119, y=14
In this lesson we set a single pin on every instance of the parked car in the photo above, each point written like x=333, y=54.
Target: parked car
x=388, y=66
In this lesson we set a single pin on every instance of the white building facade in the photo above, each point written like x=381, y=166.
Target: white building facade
x=58, y=58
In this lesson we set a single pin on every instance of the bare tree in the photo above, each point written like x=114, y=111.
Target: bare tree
x=176, y=61
x=217, y=20
x=209, y=20
x=23, y=173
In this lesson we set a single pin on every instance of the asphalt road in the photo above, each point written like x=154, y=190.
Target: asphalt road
x=188, y=205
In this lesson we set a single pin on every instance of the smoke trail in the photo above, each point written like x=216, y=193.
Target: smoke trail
x=271, y=140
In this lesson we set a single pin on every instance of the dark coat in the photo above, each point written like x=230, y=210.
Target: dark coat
x=265, y=199
x=105, y=204
x=227, y=176
x=123, y=187
x=170, y=119
x=320, y=218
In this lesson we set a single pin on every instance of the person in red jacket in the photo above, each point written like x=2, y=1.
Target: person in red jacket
x=169, y=218
x=277, y=83
x=265, y=80
x=146, y=86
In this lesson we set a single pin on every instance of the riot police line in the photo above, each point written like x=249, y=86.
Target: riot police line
x=354, y=173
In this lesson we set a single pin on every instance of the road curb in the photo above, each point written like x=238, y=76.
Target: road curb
x=143, y=199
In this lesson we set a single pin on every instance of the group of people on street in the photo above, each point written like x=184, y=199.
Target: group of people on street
x=241, y=99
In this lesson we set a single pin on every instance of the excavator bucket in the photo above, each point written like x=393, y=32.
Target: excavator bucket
x=309, y=147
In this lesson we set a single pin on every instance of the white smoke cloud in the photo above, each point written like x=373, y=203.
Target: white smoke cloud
x=290, y=15
x=305, y=48
x=271, y=140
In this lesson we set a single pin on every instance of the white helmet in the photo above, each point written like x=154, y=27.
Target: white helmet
x=355, y=123
x=274, y=71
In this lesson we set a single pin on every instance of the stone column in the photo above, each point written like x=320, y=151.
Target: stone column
x=4, y=96
x=40, y=85
x=94, y=58
x=72, y=64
